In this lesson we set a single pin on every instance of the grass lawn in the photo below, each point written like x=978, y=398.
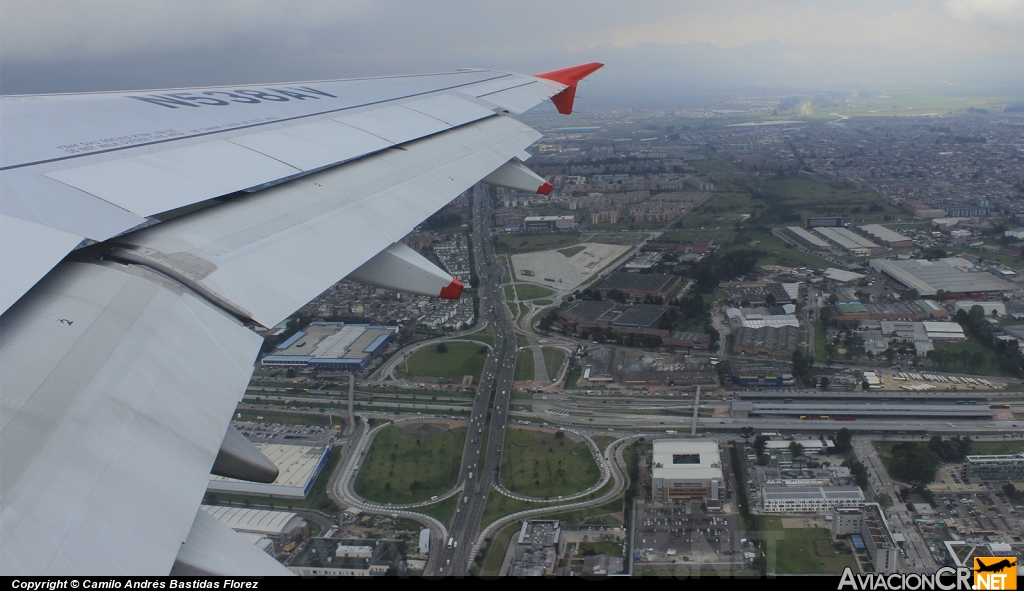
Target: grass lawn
x=515, y=243
x=997, y=447
x=285, y=418
x=549, y=302
x=819, y=342
x=484, y=336
x=523, y=310
x=572, y=251
x=591, y=548
x=522, y=340
x=988, y=368
x=603, y=441
x=803, y=550
x=497, y=548
x=620, y=238
x=529, y=291
x=571, y=378
x=462, y=359
x=553, y=359
x=442, y=511
x=524, y=366
x=317, y=498
x=541, y=464
x=411, y=463
x=510, y=294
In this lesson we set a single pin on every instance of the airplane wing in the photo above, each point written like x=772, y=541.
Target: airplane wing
x=143, y=235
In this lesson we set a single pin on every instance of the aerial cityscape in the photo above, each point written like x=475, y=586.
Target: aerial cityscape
x=742, y=299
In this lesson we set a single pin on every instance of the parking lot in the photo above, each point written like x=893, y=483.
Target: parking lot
x=280, y=433
x=987, y=511
x=671, y=535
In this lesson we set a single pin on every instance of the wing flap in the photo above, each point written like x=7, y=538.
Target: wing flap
x=275, y=250
x=117, y=388
x=312, y=146
x=154, y=183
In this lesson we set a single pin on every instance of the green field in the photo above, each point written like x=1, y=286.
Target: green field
x=484, y=336
x=803, y=551
x=997, y=447
x=522, y=340
x=442, y=511
x=524, y=366
x=462, y=359
x=619, y=238
x=542, y=465
x=553, y=359
x=572, y=251
x=529, y=291
x=497, y=548
x=510, y=294
x=549, y=302
x=989, y=367
x=515, y=243
x=411, y=463
x=285, y=418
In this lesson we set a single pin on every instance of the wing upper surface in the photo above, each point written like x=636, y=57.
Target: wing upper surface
x=100, y=164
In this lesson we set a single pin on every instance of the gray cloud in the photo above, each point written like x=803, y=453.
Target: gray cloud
x=665, y=47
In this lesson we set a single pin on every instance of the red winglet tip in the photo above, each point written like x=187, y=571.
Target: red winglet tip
x=544, y=189
x=570, y=76
x=453, y=291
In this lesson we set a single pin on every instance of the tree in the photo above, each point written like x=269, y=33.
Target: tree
x=1009, y=489
x=833, y=299
x=910, y=295
x=796, y=450
x=746, y=433
x=290, y=373
x=824, y=382
x=442, y=348
x=844, y=441
x=913, y=463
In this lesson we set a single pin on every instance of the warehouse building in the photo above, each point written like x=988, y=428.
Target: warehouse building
x=854, y=245
x=840, y=411
x=332, y=346
x=298, y=465
x=692, y=340
x=953, y=275
x=886, y=236
x=807, y=239
x=280, y=525
x=639, y=286
x=549, y=222
x=995, y=468
x=770, y=341
x=810, y=499
x=686, y=470
x=755, y=373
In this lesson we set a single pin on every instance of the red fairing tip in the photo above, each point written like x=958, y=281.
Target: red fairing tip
x=453, y=291
x=569, y=77
x=544, y=189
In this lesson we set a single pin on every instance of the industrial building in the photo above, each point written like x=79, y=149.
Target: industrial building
x=638, y=285
x=298, y=465
x=924, y=397
x=953, y=275
x=809, y=499
x=349, y=558
x=692, y=340
x=826, y=221
x=332, y=346
x=854, y=245
x=915, y=310
x=636, y=320
x=754, y=373
x=769, y=341
x=686, y=470
x=757, y=295
x=280, y=525
x=807, y=239
x=536, y=552
x=549, y=222
x=638, y=368
x=867, y=528
x=886, y=236
x=995, y=468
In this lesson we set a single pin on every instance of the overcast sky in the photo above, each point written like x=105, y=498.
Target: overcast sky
x=652, y=48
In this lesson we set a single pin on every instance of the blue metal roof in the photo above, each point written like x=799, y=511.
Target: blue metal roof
x=291, y=340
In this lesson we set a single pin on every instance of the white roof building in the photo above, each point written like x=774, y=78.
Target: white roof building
x=299, y=466
x=944, y=331
x=686, y=469
x=256, y=521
